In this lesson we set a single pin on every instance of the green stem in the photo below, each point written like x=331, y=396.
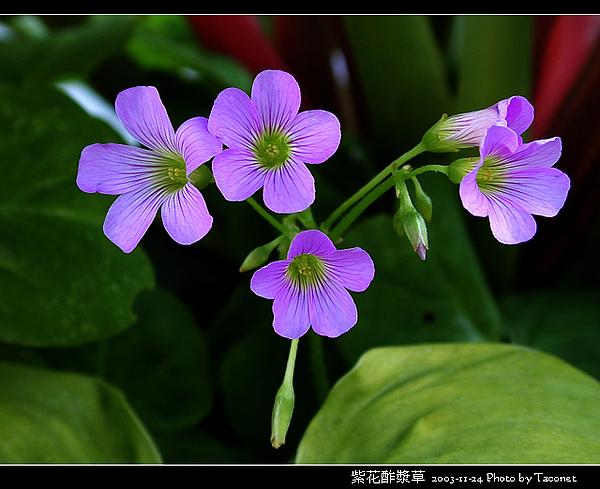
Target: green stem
x=374, y=182
x=274, y=222
x=377, y=192
x=359, y=208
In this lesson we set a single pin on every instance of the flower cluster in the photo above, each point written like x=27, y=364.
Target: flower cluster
x=512, y=180
x=268, y=144
x=263, y=141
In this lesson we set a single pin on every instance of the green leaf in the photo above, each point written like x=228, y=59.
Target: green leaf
x=475, y=403
x=62, y=282
x=54, y=417
x=493, y=57
x=164, y=42
x=71, y=51
x=399, y=62
x=161, y=363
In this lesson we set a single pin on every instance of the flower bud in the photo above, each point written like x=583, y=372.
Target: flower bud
x=201, y=177
x=258, y=256
x=422, y=201
x=281, y=416
x=416, y=232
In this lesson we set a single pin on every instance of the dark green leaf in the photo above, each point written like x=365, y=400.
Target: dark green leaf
x=61, y=281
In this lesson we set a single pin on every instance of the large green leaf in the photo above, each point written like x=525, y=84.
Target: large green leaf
x=475, y=403
x=62, y=282
x=53, y=417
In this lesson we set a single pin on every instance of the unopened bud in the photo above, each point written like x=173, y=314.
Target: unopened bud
x=422, y=202
x=416, y=232
x=201, y=177
x=283, y=408
x=258, y=256
x=281, y=416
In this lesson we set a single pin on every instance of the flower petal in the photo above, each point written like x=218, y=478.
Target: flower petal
x=237, y=174
x=500, y=142
x=185, y=215
x=542, y=153
x=471, y=197
x=290, y=313
x=332, y=310
x=276, y=95
x=195, y=143
x=145, y=118
x=311, y=241
x=518, y=112
x=540, y=191
x=289, y=189
x=130, y=216
x=510, y=223
x=269, y=281
x=353, y=268
x=315, y=135
x=114, y=168
x=234, y=119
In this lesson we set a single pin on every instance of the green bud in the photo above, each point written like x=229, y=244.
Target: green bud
x=416, y=232
x=398, y=222
x=461, y=167
x=201, y=177
x=283, y=407
x=258, y=256
x=422, y=201
x=281, y=416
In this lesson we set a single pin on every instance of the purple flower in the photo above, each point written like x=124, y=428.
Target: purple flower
x=309, y=288
x=269, y=142
x=151, y=178
x=467, y=130
x=514, y=180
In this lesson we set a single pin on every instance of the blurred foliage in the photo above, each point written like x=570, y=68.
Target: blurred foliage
x=166, y=349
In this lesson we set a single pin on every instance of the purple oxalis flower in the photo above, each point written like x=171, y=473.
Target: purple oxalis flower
x=467, y=129
x=269, y=142
x=514, y=180
x=151, y=178
x=310, y=287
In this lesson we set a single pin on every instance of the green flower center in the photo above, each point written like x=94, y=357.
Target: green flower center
x=174, y=170
x=272, y=149
x=306, y=271
x=490, y=176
